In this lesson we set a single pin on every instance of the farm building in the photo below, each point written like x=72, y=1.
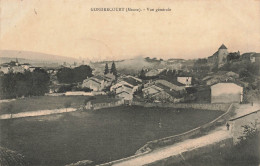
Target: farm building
x=226, y=93
x=126, y=87
x=164, y=91
x=98, y=82
x=185, y=80
x=95, y=83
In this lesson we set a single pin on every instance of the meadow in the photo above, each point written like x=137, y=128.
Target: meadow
x=100, y=136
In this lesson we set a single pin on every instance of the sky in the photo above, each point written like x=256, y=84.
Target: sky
x=192, y=29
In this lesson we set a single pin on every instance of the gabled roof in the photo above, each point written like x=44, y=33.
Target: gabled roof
x=94, y=81
x=168, y=90
x=169, y=84
x=99, y=77
x=131, y=81
x=125, y=85
x=228, y=82
x=222, y=47
x=154, y=87
x=122, y=92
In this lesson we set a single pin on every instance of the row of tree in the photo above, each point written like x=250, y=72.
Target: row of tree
x=112, y=70
x=13, y=85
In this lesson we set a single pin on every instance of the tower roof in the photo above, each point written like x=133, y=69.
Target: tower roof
x=222, y=47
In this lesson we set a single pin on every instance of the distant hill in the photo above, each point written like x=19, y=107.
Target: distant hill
x=34, y=57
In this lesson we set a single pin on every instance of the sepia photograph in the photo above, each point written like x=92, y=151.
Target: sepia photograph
x=129, y=83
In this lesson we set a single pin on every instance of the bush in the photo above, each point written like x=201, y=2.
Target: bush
x=247, y=150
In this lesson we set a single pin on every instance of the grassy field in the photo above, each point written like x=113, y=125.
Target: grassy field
x=47, y=102
x=100, y=136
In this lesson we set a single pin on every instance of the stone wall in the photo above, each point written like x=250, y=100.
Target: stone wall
x=206, y=106
x=96, y=106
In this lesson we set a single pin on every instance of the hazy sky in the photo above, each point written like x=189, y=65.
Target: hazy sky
x=192, y=29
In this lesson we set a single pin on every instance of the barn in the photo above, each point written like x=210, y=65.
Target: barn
x=226, y=93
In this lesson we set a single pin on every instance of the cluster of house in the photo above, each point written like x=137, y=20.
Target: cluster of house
x=225, y=87
x=16, y=67
x=126, y=86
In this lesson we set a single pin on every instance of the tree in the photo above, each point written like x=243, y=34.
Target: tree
x=78, y=74
x=113, y=69
x=81, y=73
x=244, y=73
x=142, y=74
x=233, y=56
x=106, y=69
x=40, y=82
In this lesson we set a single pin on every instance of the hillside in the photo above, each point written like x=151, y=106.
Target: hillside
x=33, y=57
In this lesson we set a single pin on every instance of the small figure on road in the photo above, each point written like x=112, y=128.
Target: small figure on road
x=252, y=103
x=227, y=126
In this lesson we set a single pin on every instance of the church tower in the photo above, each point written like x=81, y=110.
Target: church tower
x=222, y=55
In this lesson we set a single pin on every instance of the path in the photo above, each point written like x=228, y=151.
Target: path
x=7, y=100
x=217, y=135
x=37, y=113
x=246, y=109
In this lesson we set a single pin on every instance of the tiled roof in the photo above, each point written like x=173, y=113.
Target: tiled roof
x=131, y=81
x=95, y=81
x=122, y=92
x=99, y=77
x=168, y=90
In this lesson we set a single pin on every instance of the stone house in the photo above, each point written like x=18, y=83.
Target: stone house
x=163, y=91
x=151, y=90
x=125, y=95
x=126, y=87
x=226, y=93
x=185, y=80
x=96, y=83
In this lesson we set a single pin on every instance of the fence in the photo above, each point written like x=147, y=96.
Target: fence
x=96, y=106
x=36, y=113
